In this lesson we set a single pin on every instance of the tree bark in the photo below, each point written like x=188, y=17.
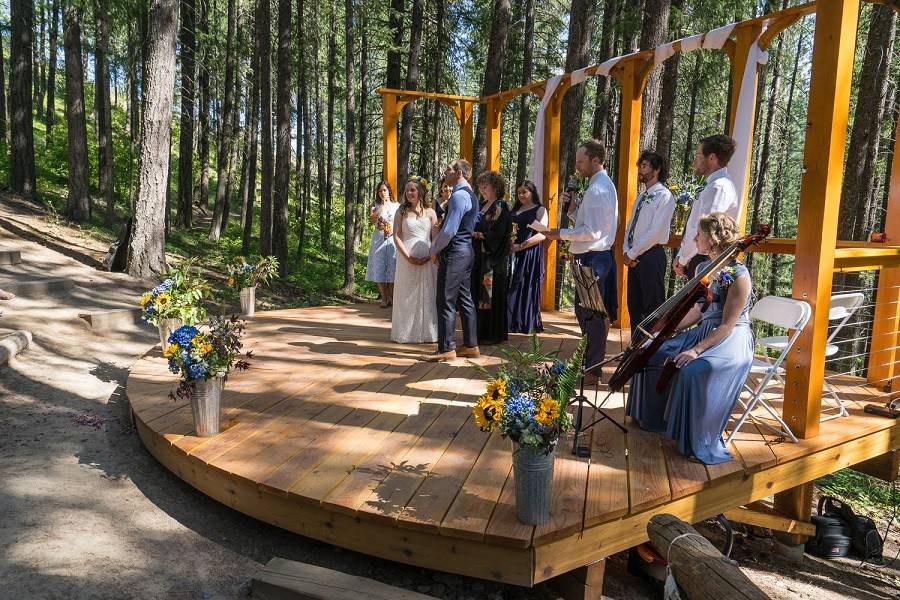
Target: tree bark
x=78, y=205
x=653, y=33
x=248, y=198
x=42, y=69
x=350, y=143
x=225, y=135
x=412, y=83
x=329, y=164
x=306, y=117
x=665, y=122
x=264, y=35
x=688, y=155
x=147, y=256
x=525, y=102
x=438, y=69
x=493, y=74
x=581, y=23
x=395, y=24
x=600, y=126
x=104, y=112
x=22, y=172
x=283, y=124
x=203, y=92
x=320, y=129
x=362, y=154
x=3, y=128
x=862, y=151
x=186, y=139
x=50, y=115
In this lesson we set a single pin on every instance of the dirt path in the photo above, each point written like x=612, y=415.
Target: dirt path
x=86, y=512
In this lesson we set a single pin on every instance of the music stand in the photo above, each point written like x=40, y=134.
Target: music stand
x=590, y=298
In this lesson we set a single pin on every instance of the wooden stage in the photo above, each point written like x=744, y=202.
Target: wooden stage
x=338, y=434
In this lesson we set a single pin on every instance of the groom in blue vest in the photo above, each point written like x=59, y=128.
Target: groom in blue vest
x=452, y=250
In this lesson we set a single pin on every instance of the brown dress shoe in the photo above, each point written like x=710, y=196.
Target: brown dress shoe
x=440, y=356
x=467, y=352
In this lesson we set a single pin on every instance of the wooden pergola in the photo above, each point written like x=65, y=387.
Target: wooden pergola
x=820, y=193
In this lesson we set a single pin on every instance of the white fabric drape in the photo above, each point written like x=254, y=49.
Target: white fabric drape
x=537, y=149
x=743, y=121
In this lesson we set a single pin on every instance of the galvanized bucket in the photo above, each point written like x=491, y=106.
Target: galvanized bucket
x=248, y=301
x=206, y=404
x=166, y=327
x=533, y=472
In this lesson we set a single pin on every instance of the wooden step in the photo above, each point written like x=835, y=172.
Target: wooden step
x=36, y=287
x=283, y=579
x=10, y=257
x=123, y=318
x=13, y=344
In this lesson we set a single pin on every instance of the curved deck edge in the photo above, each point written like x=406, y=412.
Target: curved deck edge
x=462, y=557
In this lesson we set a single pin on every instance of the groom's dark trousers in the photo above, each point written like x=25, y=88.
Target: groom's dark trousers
x=454, y=292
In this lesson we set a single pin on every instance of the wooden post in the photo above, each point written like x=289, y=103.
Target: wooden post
x=550, y=191
x=820, y=196
x=390, y=117
x=884, y=360
x=746, y=36
x=632, y=78
x=492, y=133
x=584, y=583
x=466, y=135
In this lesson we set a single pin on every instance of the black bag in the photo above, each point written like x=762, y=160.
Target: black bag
x=839, y=531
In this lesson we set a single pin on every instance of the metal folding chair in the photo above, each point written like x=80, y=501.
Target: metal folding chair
x=840, y=308
x=781, y=312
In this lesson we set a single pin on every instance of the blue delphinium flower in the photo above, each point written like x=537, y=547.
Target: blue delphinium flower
x=558, y=367
x=162, y=287
x=247, y=268
x=197, y=371
x=183, y=335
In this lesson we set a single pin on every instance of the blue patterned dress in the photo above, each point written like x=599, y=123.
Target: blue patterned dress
x=383, y=252
x=695, y=408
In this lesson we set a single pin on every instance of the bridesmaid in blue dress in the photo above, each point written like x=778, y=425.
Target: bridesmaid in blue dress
x=714, y=358
x=524, y=306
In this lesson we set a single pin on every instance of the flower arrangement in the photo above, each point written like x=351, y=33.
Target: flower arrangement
x=177, y=297
x=684, y=191
x=204, y=354
x=243, y=274
x=526, y=400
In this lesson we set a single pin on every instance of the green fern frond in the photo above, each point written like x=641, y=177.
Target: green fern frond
x=568, y=379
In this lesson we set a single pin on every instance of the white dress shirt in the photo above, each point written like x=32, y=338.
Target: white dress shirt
x=657, y=205
x=719, y=195
x=596, y=219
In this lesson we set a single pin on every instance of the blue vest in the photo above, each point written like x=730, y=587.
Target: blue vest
x=462, y=241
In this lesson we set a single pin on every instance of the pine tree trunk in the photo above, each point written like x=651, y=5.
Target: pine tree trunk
x=50, y=115
x=412, y=83
x=653, y=33
x=283, y=125
x=329, y=164
x=600, y=127
x=687, y=157
x=3, y=128
x=493, y=73
x=104, y=112
x=133, y=115
x=305, y=117
x=395, y=24
x=668, y=88
x=223, y=153
x=577, y=56
x=22, y=172
x=78, y=206
x=42, y=72
x=234, y=125
x=264, y=35
x=203, y=93
x=186, y=139
x=147, y=256
x=862, y=151
x=320, y=133
x=362, y=155
x=249, y=199
x=350, y=145
x=525, y=102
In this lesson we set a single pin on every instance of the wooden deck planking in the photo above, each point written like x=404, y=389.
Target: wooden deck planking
x=685, y=476
x=504, y=527
x=648, y=481
x=607, y=486
x=754, y=450
x=567, y=501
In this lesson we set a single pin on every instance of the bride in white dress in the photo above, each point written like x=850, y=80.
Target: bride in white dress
x=414, y=319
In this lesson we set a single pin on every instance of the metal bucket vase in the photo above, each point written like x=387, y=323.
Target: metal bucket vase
x=248, y=301
x=166, y=327
x=206, y=404
x=533, y=471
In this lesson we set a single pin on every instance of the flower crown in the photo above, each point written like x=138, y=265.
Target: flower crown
x=420, y=180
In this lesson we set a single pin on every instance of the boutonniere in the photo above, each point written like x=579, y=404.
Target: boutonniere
x=727, y=276
x=648, y=198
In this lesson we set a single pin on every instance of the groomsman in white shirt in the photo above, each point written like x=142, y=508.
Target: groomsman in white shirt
x=645, y=235
x=717, y=195
x=591, y=240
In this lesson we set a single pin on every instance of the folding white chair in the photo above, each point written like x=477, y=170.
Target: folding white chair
x=840, y=308
x=781, y=312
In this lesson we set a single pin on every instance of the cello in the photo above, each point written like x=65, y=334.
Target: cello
x=662, y=323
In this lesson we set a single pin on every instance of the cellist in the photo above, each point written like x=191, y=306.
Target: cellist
x=713, y=359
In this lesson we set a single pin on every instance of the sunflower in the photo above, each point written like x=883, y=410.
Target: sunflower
x=204, y=348
x=147, y=297
x=171, y=350
x=496, y=390
x=231, y=281
x=163, y=301
x=488, y=412
x=547, y=412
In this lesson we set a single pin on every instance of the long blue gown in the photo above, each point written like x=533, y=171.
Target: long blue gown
x=695, y=408
x=527, y=276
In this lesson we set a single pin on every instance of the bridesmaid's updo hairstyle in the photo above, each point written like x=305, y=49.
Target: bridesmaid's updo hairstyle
x=721, y=228
x=493, y=179
x=422, y=185
x=384, y=183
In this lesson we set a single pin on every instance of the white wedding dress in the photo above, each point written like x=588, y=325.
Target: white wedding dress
x=414, y=318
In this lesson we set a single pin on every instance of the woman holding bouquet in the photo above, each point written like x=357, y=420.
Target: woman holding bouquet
x=382, y=251
x=414, y=320
x=527, y=261
x=490, y=275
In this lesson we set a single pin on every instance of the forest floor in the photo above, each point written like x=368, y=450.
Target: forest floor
x=86, y=512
